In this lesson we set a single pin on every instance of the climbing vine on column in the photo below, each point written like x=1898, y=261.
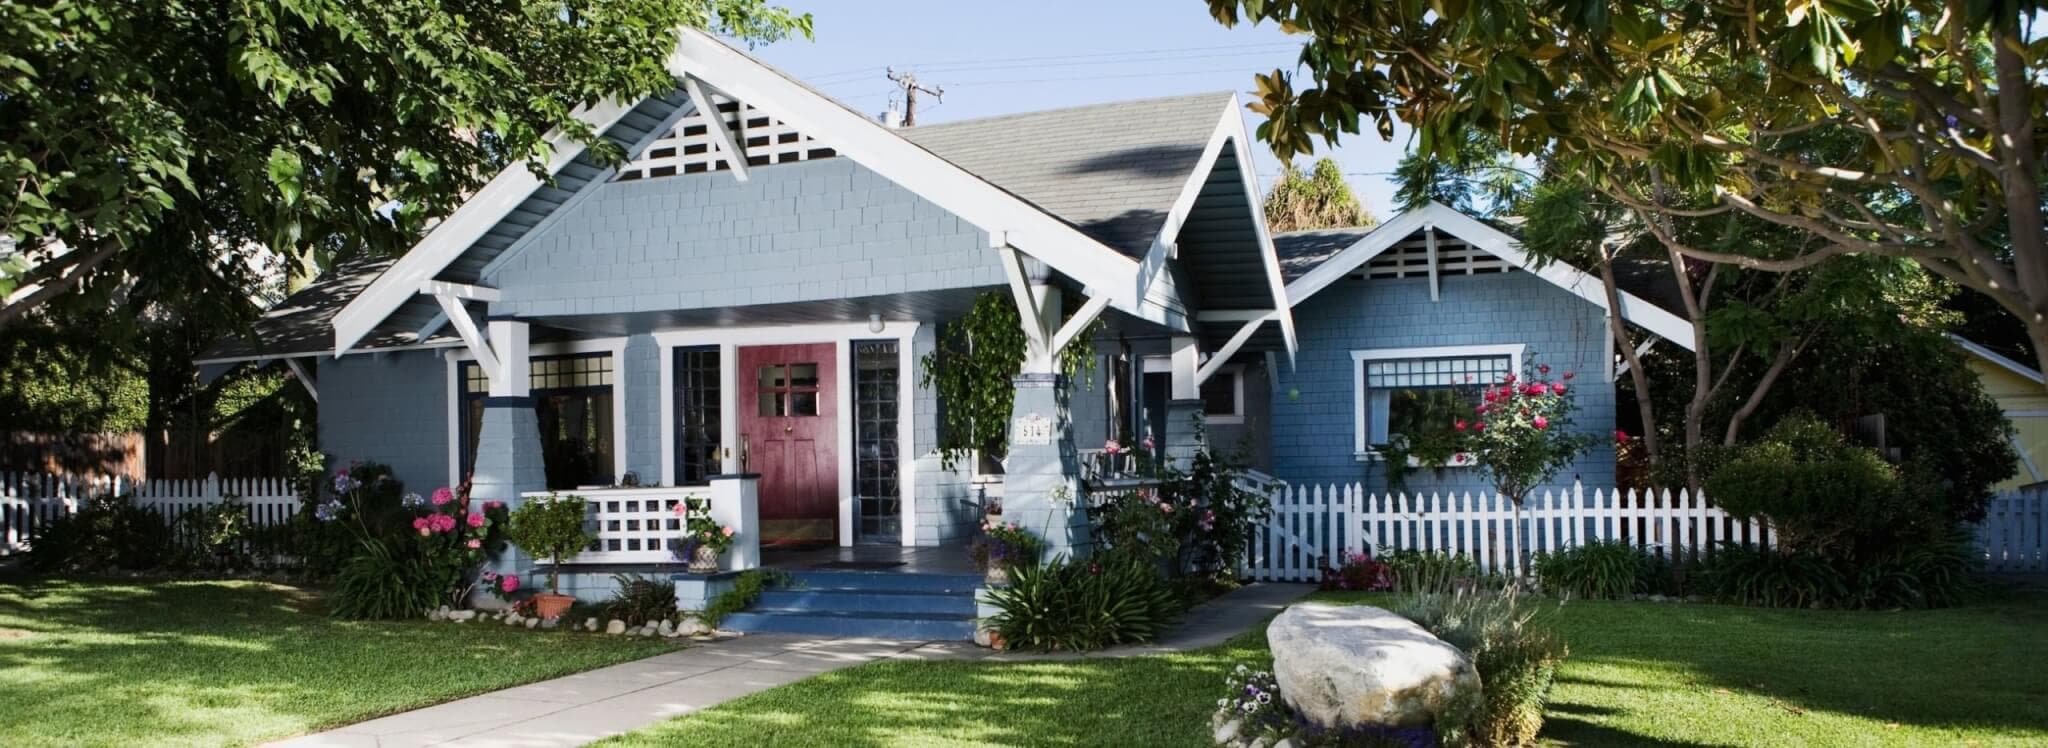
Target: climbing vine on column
x=971, y=370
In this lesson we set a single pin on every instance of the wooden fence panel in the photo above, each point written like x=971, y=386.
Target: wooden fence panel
x=29, y=502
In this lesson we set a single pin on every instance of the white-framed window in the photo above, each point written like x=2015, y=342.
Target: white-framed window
x=579, y=397
x=1399, y=390
x=1223, y=396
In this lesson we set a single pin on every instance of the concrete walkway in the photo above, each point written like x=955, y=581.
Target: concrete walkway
x=589, y=706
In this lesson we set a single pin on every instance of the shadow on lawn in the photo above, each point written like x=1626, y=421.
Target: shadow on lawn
x=112, y=662
x=1976, y=667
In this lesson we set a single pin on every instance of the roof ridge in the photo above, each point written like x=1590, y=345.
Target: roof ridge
x=1066, y=109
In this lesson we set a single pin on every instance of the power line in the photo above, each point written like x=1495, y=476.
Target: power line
x=1071, y=78
x=1070, y=59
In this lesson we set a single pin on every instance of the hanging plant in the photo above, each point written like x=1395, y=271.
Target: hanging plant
x=971, y=370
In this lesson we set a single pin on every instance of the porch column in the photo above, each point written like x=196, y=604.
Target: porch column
x=1041, y=482
x=1184, y=421
x=508, y=452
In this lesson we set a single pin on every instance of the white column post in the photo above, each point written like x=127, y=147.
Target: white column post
x=1184, y=402
x=736, y=502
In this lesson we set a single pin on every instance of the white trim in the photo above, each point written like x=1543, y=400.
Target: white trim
x=614, y=346
x=299, y=373
x=1429, y=253
x=464, y=291
x=1236, y=414
x=2026, y=414
x=1999, y=359
x=1241, y=139
x=1230, y=347
x=735, y=156
x=455, y=234
x=841, y=335
x=1359, y=429
x=1485, y=238
x=1082, y=318
x=2025, y=459
x=465, y=325
x=1029, y=315
x=443, y=345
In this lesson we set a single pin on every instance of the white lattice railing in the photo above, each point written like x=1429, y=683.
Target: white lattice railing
x=640, y=525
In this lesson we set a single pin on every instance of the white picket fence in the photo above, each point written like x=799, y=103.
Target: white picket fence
x=29, y=502
x=2014, y=533
x=1313, y=527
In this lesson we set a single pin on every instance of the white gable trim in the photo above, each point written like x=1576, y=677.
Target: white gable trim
x=454, y=235
x=1998, y=359
x=1486, y=238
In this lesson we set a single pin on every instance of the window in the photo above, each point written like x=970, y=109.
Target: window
x=573, y=400
x=787, y=390
x=1223, y=396
x=876, y=385
x=698, y=422
x=1415, y=393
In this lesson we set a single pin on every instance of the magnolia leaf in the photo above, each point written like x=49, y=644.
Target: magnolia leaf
x=285, y=170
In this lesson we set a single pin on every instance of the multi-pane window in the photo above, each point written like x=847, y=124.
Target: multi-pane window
x=573, y=400
x=1223, y=396
x=698, y=420
x=1410, y=397
x=875, y=466
x=787, y=390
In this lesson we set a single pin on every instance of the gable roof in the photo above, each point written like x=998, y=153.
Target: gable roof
x=1302, y=251
x=1104, y=260
x=1998, y=359
x=1111, y=170
x=1324, y=267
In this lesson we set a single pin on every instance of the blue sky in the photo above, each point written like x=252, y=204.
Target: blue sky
x=999, y=58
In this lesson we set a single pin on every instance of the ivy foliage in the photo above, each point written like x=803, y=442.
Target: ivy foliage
x=972, y=368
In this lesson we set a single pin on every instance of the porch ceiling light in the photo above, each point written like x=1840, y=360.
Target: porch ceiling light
x=874, y=323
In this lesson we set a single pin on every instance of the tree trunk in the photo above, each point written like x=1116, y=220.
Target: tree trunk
x=1763, y=387
x=1638, y=378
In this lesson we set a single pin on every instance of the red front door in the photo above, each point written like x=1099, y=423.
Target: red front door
x=788, y=410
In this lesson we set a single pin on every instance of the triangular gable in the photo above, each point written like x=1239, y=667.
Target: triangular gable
x=1997, y=359
x=1486, y=249
x=692, y=147
x=1008, y=220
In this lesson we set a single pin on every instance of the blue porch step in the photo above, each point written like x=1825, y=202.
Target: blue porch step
x=884, y=605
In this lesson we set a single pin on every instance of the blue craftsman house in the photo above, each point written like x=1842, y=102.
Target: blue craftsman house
x=739, y=310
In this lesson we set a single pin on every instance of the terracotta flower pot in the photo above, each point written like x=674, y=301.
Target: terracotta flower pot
x=551, y=606
x=704, y=560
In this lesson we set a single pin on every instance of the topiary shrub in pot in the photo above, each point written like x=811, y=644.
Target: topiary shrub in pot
x=551, y=528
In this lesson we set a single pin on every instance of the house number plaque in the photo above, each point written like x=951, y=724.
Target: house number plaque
x=1032, y=430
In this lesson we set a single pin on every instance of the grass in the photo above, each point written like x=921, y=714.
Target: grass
x=1639, y=674
x=91, y=662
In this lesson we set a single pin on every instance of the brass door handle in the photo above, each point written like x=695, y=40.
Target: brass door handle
x=786, y=429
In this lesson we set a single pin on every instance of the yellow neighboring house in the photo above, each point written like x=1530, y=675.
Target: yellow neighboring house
x=2020, y=391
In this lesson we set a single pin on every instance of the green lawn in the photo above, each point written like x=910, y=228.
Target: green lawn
x=1640, y=674
x=213, y=663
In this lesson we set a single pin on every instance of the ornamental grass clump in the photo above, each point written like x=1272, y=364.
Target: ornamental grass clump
x=1079, y=607
x=1598, y=570
x=410, y=552
x=1514, y=648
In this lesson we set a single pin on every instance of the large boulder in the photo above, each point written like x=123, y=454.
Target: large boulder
x=1345, y=665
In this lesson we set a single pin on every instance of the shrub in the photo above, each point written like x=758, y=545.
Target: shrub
x=1430, y=570
x=1514, y=650
x=746, y=588
x=1006, y=545
x=1195, y=522
x=383, y=582
x=110, y=531
x=1081, y=607
x=1773, y=579
x=1598, y=570
x=638, y=599
x=551, y=528
x=1359, y=573
x=215, y=536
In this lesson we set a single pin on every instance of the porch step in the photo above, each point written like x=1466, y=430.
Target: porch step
x=843, y=623
x=880, y=604
x=884, y=581
x=866, y=601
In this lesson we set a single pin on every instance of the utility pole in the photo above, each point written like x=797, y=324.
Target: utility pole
x=908, y=82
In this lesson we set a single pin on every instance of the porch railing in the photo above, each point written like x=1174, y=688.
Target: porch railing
x=641, y=526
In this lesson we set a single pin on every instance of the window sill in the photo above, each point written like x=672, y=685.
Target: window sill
x=1452, y=464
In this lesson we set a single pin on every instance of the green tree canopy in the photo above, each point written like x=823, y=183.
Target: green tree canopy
x=140, y=135
x=1685, y=110
x=1319, y=199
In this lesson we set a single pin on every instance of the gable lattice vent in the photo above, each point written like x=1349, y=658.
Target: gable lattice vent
x=692, y=148
x=1410, y=258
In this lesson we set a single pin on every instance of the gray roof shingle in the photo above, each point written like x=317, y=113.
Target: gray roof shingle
x=1303, y=251
x=1110, y=170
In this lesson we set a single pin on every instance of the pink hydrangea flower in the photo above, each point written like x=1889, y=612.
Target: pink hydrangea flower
x=1557, y=388
x=728, y=532
x=475, y=543
x=476, y=520
x=1147, y=444
x=419, y=523
x=1111, y=447
x=1542, y=423
x=442, y=496
x=509, y=582
x=492, y=506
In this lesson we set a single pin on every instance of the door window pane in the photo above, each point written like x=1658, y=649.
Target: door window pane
x=875, y=389
x=698, y=422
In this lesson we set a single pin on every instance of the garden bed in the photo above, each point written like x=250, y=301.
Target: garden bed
x=1639, y=674
x=130, y=662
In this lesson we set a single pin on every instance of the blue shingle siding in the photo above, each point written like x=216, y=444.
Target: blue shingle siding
x=641, y=371
x=1313, y=407
x=944, y=514
x=807, y=231
x=390, y=408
